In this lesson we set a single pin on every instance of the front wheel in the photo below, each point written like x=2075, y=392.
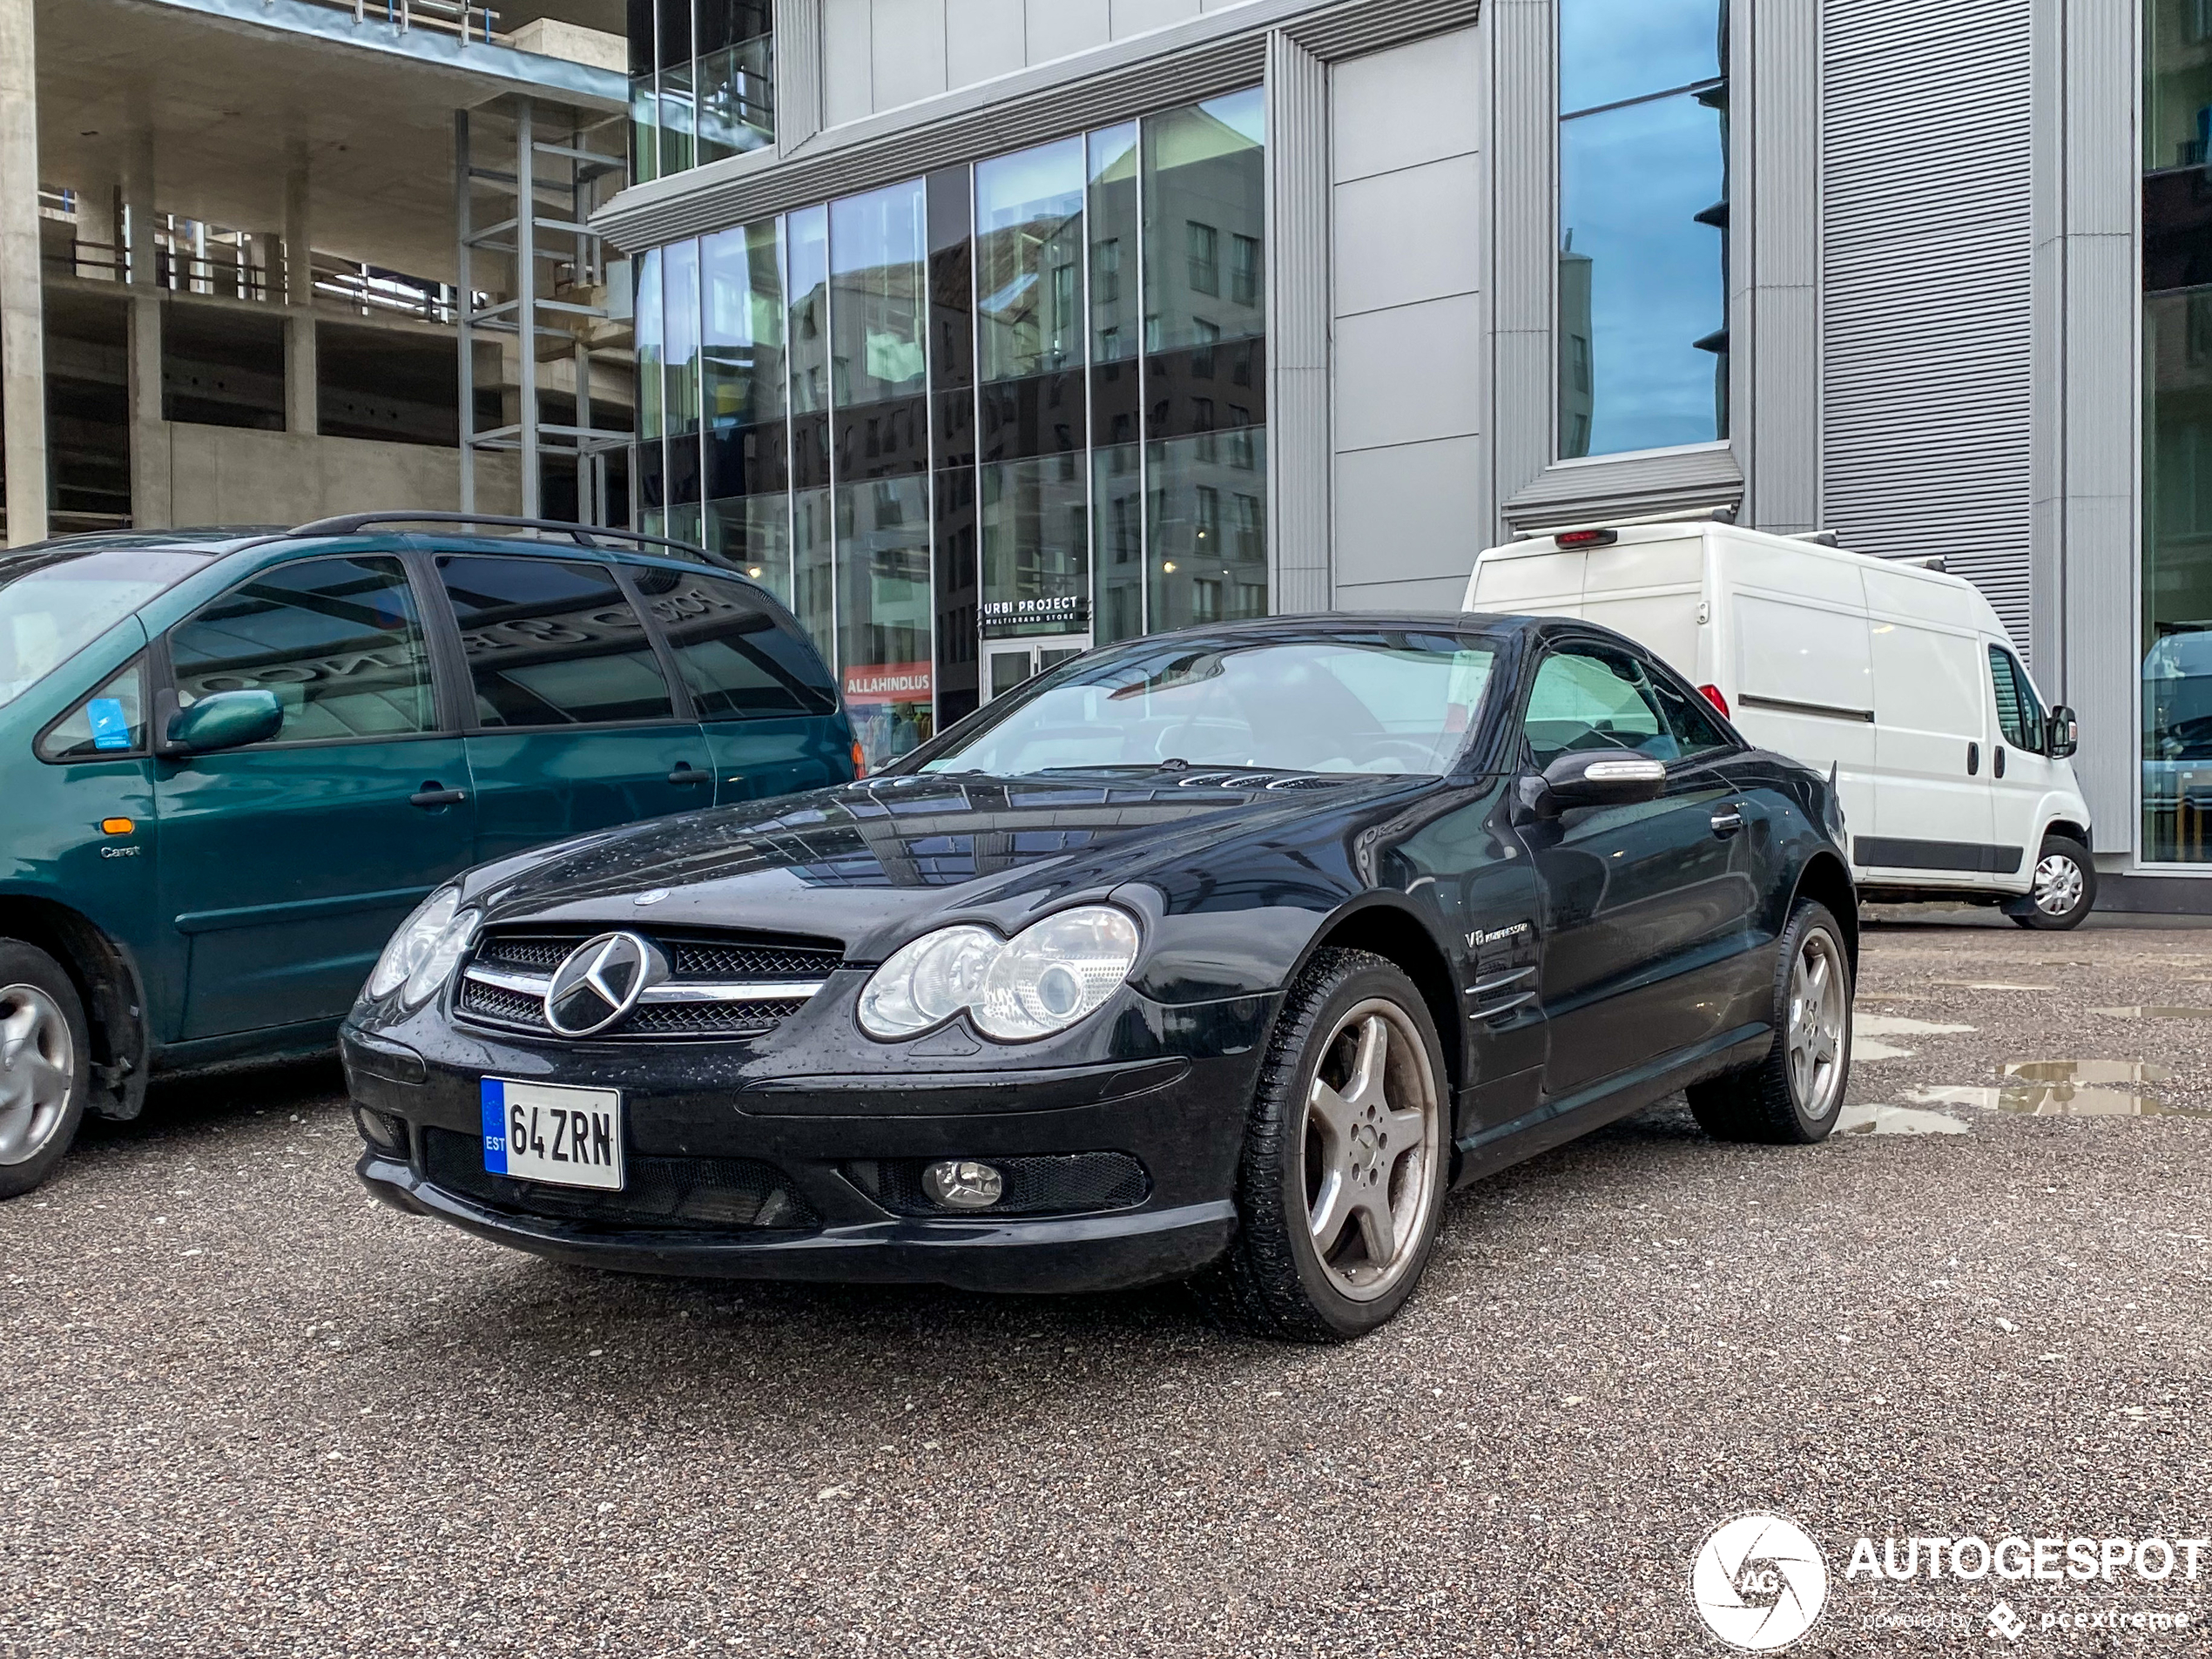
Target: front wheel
x=46, y=1066
x=2065, y=889
x=1794, y=1095
x=1341, y=1185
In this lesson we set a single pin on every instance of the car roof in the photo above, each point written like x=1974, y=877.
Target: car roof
x=1454, y=622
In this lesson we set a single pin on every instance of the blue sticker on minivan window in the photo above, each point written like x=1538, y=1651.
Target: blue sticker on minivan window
x=110, y=726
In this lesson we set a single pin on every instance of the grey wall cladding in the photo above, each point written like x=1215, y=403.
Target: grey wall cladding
x=1407, y=197
x=1927, y=244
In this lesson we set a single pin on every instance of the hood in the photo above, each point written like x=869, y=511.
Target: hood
x=862, y=863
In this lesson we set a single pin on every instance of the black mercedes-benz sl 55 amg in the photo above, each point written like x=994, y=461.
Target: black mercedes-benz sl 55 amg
x=1219, y=955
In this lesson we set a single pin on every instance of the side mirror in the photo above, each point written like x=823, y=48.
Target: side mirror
x=224, y=720
x=2061, y=733
x=1593, y=777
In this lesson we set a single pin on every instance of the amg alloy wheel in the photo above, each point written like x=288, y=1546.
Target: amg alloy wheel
x=1793, y=1095
x=1346, y=1158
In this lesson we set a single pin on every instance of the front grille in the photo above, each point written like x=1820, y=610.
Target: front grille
x=756, y=962
x=1064, y=1184
x=731, y=1195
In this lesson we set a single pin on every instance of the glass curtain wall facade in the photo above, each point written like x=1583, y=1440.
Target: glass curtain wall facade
x=2177, y=434
x=1642, y=278
x=702, y=81
x=970, y=424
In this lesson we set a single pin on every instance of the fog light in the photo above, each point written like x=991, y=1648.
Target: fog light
x=963, y=1183
x=381, y=1131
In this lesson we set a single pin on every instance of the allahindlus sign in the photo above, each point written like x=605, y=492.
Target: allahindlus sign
x=889, y=682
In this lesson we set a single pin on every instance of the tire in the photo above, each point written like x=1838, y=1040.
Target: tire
x=1793, y=1095
x=46, y=1066
x=2065, y=890
x=1331, y=1164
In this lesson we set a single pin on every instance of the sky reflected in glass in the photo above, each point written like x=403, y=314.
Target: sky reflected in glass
x=1610, y=49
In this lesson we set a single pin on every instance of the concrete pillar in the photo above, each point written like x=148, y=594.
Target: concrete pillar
x=302, y=404
x=153, y=499
x=22, y=334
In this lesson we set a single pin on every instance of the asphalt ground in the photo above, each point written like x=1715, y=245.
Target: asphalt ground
x=243, y=1411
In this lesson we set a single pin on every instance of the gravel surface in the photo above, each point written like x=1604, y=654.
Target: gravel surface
x=244, y=1411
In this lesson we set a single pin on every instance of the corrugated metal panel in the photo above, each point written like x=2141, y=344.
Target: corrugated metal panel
x=1926, y=324
x=1298, y=325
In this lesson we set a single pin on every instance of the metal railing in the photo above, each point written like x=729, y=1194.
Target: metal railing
x=460, y=18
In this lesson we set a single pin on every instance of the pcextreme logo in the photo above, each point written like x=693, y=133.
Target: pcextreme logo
x=1759, y=1583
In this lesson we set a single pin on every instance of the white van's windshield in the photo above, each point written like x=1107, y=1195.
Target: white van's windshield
x=55, y=603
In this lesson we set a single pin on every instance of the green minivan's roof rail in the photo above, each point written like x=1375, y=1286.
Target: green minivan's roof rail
x=583, y=535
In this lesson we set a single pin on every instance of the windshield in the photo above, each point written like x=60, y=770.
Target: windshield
x=52, y=605
x=1390, y=702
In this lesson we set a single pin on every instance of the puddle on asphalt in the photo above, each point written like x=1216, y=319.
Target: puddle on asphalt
x=1992, y=985
x=1895, y=1025
x=2150, y=1011
x=1875, y=1049
x=1896, y=1120
x=2066, y=1089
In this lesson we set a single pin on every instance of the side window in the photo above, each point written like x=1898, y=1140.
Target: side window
x=110, y=723
x=552, y=644
x=736, y=660
x=1689, y=718
x=1588, y=699
x=2019, y=714
x=338, y=640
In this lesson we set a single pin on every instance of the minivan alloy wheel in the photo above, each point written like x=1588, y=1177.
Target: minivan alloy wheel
x=2058, y=884
x=37, y=1068
x=1371, y=1156
x=1820, y=1009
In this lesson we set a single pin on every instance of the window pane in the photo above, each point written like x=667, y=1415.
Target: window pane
x=752, y=534
x=737, y=77
x=1611, y=50
x=1695, y=730
x=2019, y=715
x=1207, y=530
x=1113, y=244
x=680, y=333
x=551, y=644
x=1585, y=701
x=338, y=640
x=647, y=322
x=813, y=590
x=1035, y=547
x=884, y=612
x=112, y=721
x=738, y=662
x=1029, y=251
x=743, y=340
x=1117, y=541
x=877, y=244
x=1643, y=309
x=808, y=336
x=1205, y=179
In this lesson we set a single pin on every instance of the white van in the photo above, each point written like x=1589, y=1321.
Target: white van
x=1954, y=780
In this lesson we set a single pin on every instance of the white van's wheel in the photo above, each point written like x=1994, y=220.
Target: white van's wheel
x=2065, y=889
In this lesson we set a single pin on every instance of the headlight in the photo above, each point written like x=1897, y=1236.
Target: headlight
x=1042, y=980
x=423, y=954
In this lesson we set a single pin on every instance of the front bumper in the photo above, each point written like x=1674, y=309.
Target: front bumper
x=1180, y=1116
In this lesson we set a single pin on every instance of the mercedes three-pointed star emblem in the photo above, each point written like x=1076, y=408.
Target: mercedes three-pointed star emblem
x=597, y=984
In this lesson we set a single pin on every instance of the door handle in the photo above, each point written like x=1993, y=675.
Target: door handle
x=1727, y=821
x=1997, y=760
x=688, y=776
x=435, y=794
x=1973, y=761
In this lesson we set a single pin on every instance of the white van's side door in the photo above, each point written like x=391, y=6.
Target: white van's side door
x=2020, y=779
x=1933, y=825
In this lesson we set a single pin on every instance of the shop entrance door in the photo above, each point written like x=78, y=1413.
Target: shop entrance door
x=1009, y=662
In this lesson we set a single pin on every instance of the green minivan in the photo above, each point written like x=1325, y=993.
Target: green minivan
x=232, y=761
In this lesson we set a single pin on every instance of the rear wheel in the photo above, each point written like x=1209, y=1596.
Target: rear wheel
x=2065, y=889
x=1342, y=1183
x=1792, y=1096
x=44, y=1066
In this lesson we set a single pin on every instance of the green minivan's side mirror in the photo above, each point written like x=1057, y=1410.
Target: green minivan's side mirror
x=224, y=720
x=2063, y=733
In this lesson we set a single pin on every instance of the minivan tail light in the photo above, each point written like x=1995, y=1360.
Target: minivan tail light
x=1712, y=694
x=860, y=760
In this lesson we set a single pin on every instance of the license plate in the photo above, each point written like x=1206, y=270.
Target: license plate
x=564, y=1137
